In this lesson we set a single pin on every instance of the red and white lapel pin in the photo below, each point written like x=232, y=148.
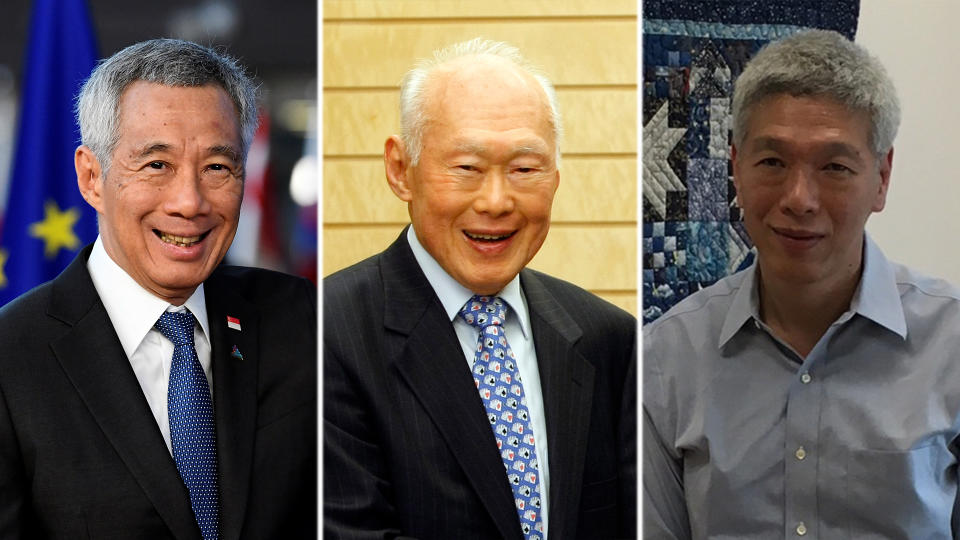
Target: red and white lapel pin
x=233, y=322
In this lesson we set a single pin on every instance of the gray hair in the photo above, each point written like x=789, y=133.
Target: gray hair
x=171, y=62
x=820, y=63
x=413, y=89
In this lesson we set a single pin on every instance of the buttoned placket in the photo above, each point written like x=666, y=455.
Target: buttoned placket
x=802, y=464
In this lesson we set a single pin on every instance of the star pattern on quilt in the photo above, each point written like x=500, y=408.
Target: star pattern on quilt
x=659, y=139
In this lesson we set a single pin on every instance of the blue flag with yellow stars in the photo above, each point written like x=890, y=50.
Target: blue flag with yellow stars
x=46, y=220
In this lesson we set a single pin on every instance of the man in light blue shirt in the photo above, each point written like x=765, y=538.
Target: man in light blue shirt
x=817, y=393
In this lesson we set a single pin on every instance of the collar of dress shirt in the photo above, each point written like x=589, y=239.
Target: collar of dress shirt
x=453, y=295
x=132, y=309
x=876, y=297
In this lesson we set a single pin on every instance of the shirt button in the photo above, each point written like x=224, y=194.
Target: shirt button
x=801, y=453
x=801, y=529
x=805, y=378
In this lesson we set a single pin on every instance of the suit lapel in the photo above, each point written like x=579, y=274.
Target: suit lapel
x=428, y=356
x=93, y=359
x=234, y=397
x=567, y=383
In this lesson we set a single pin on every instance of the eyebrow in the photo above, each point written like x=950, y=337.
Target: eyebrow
x=522, y=150
x=150, y=149
x=225, y=150
x=832, y=148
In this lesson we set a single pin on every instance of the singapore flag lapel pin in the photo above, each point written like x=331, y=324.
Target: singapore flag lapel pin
x=233, y=322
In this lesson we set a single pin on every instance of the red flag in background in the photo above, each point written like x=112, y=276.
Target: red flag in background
x=257, y=240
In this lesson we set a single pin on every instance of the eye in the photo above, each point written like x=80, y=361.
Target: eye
x=156, y=165
x=525, y=170
x=837, y=167
x=771, y=162
x=218, y=167
x=466, y=167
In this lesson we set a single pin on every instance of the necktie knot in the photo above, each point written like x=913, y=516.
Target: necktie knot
x=177, y=326
x=483, y=311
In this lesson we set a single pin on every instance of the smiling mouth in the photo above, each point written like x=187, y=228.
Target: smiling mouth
x=488, y=237
x=798, y=235
x=182, y=241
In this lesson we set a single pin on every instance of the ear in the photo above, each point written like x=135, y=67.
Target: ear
x=886, y=166
x=89, y=177
x=397, y=165
x=736, y=167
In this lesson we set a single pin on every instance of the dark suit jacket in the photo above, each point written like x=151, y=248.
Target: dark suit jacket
x=408, y=450
x=81, y=455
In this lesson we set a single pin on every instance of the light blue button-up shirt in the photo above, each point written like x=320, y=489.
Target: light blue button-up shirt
x=743, y=438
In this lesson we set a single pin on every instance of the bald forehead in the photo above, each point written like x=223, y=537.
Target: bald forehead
x=485, y=66
x=483, y=78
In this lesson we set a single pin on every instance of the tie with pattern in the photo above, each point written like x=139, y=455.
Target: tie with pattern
x=190, y=411
x=497, y=377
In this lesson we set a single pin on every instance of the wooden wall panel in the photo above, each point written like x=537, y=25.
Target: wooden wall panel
x=595, y=257
x=385, y=52
x=419, y=9
x=595, y=121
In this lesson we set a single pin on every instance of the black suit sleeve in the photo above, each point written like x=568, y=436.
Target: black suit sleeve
x=357, y=494
x=13, y=489
x=628, y=449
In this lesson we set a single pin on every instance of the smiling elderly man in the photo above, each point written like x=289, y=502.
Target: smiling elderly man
x=817, y=393
x=144, y=392
x=464, y=395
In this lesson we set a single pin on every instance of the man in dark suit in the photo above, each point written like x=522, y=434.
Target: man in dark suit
x=464, y=395
x=145, y=392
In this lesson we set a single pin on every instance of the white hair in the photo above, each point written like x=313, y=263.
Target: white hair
x=820, y=63
x=413, y=89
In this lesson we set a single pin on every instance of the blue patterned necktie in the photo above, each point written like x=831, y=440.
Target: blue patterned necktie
x=497, y=377
x=190, y=411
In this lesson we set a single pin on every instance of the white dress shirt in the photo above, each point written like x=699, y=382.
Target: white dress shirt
x=133, y=311
x=453, y=296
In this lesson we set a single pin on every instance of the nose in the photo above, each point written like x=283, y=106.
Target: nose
x=801, y=195
x=185, y=196
x=495, y=196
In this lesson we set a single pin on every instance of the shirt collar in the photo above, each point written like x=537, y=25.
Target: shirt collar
x=745, y=305
x=132, y=309
x=877, y=297
x=453, y=295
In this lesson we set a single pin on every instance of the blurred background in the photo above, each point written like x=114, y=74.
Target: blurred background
x=588, y=49
x=275, y=41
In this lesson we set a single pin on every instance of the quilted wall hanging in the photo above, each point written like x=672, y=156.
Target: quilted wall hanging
x=693, y=233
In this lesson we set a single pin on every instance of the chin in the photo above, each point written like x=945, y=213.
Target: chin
x=182, y=282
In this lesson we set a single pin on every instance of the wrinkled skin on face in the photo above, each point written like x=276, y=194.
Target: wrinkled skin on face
x=169, y=205
x=480, y=196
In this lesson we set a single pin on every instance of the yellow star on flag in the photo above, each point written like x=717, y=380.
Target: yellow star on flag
x=56, y=229
x=3, y=264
